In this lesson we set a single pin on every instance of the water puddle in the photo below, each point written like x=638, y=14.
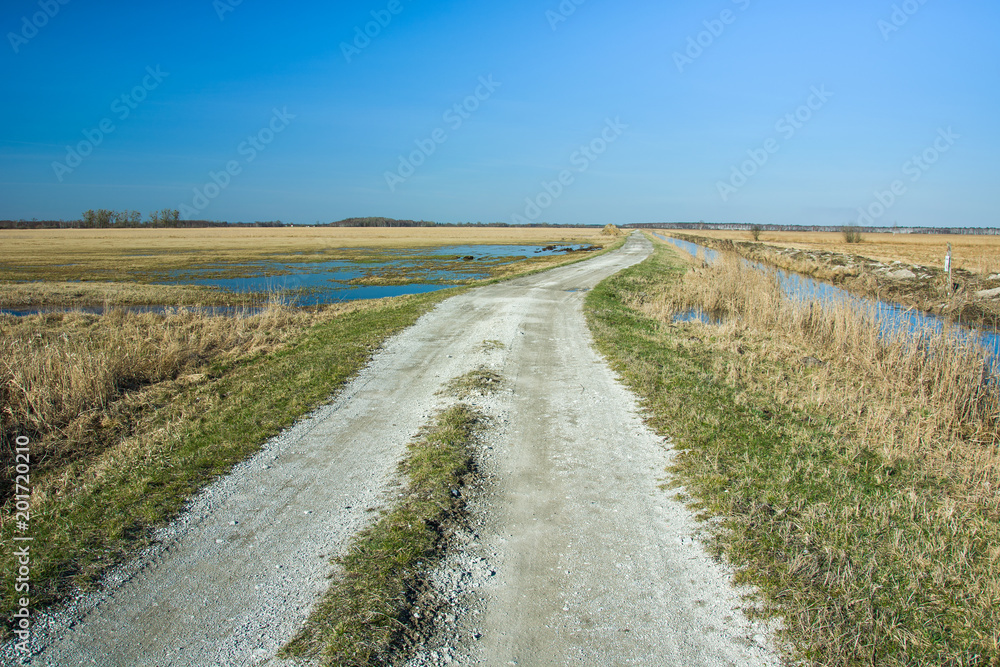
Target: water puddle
x=696, y=315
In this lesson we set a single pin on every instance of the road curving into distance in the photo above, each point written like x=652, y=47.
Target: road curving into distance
x=593, y=562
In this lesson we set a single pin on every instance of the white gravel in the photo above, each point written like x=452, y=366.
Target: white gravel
x=575, y=553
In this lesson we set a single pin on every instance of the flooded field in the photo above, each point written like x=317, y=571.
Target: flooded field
x=92, y=269
x=369, y=273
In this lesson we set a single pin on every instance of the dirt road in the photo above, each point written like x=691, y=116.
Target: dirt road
x=594, y=563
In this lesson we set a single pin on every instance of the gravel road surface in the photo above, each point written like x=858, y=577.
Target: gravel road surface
x=590, y=562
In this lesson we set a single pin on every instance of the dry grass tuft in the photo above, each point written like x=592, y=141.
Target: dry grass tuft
x=852, y=234
x=481, y=381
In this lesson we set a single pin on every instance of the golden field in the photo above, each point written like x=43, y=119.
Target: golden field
x=977, y=254
x=143, y=250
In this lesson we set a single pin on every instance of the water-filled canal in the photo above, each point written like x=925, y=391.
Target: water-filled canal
x=891, y=317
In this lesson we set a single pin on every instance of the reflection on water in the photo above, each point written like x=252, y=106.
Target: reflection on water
x=691, y=248
x=891, y=317
x=421, y=270
x=696, y=315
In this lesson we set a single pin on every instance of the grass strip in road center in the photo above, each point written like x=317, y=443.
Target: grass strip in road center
x=365, y=617
x=869, y=560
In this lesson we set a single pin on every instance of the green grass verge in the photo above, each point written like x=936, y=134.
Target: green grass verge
x=868, y=562
x=192, y=438
x=363, y=619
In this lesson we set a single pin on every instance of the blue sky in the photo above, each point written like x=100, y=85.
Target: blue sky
x=590, y=113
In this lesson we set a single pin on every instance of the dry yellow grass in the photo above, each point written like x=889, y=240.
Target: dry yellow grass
x=78, y=294
x=274, y=239
x=129, y=413
x=977, y=254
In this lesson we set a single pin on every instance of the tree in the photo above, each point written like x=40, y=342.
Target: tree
x=166, y=217
x=104, y=217
x=755, y=231
x=171, y=216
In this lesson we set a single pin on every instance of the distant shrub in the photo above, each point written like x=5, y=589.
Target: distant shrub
x=755, y=231
x=852, y=234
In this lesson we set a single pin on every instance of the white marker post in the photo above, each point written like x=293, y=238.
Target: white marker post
x=947, y=267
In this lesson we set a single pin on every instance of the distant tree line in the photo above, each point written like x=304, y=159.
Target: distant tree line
x=380, y=222
x=391, y=222
x=752, y=228
x=103, y=218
